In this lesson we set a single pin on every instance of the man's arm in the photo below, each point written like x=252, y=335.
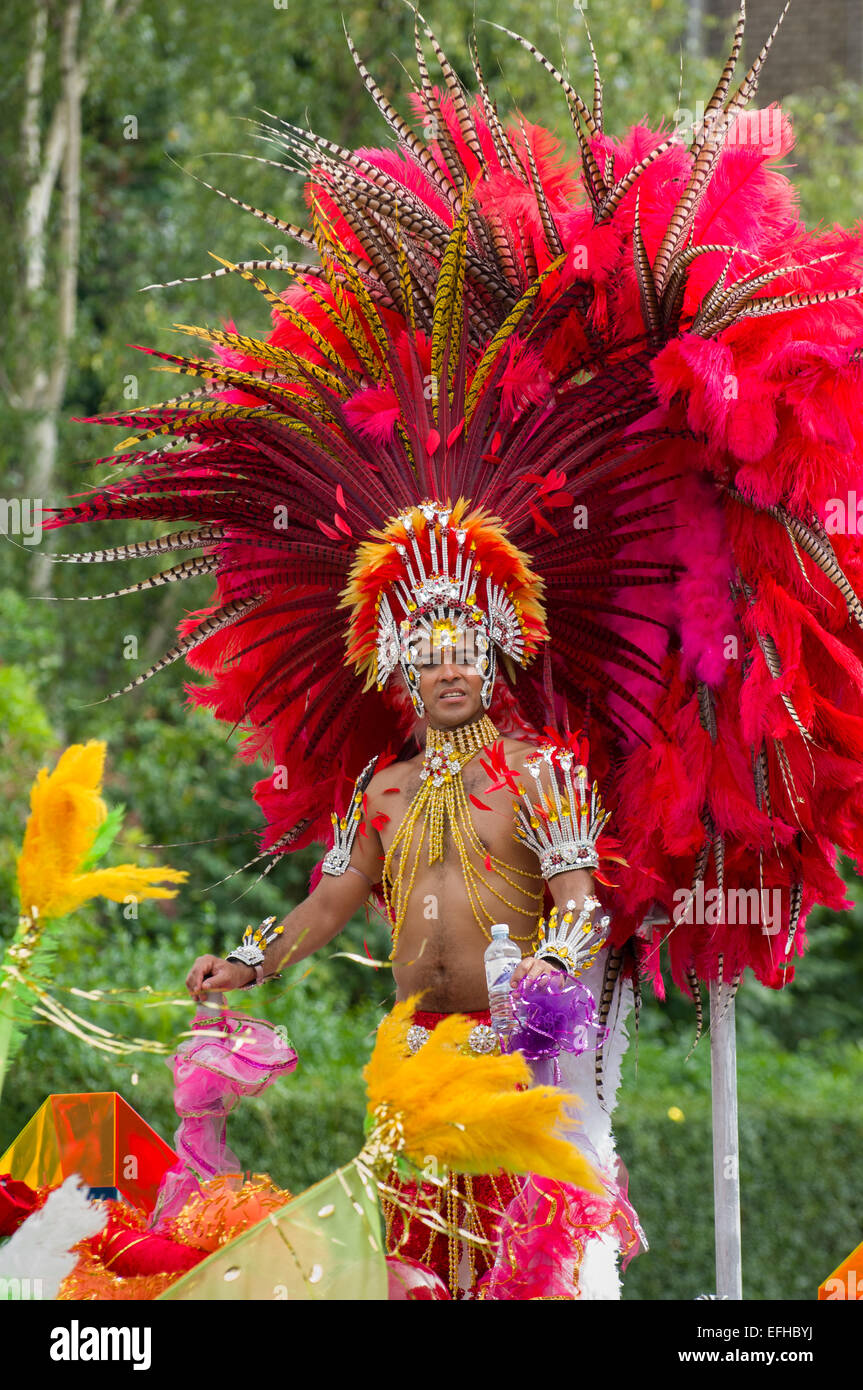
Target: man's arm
x=568, y=889
x=311, y=925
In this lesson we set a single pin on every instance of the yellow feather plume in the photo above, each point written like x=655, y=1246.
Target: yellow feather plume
x=66, y=811
x=465, y=1109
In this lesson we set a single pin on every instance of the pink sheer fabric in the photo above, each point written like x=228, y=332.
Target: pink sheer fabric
x=545, y=1232
x=229, y=1057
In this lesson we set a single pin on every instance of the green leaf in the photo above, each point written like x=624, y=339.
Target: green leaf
x=105, y=837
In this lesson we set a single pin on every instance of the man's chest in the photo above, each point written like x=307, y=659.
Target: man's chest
x=464, y=809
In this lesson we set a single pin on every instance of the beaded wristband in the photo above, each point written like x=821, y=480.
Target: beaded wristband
x=572, y=941
x=251, y=949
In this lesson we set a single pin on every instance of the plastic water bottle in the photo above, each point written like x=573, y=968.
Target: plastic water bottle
x=501, y=958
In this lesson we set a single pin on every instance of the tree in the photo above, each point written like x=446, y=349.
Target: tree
x=55, y=77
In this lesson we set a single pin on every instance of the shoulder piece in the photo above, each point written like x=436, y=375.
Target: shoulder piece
x=564, y=824
x=337, y=859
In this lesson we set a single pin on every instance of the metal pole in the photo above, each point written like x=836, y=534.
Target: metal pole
x=726, y=1179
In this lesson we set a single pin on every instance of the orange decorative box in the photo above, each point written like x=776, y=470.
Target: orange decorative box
x=98, y=1135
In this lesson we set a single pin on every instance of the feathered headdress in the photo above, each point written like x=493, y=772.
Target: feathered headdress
x=640, y=376
x=438, y=573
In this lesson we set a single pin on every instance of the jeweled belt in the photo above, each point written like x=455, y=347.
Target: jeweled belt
x=481, y=1040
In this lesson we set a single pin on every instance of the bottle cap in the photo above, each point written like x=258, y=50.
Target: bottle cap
x=499, y=930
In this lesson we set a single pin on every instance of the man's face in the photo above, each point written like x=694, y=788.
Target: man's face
x=450, y=684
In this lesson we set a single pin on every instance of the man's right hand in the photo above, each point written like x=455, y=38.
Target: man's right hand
x=210, y=973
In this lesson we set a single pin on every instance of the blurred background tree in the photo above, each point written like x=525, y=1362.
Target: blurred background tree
x=108, y=113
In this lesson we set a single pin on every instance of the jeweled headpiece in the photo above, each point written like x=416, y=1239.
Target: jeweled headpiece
x=439, y=574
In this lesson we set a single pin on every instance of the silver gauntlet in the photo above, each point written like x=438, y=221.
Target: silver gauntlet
x=572, y=940
x=337, y=859
x=562, y=828
x=255, y=942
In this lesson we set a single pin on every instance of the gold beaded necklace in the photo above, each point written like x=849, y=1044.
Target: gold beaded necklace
x=442, y=798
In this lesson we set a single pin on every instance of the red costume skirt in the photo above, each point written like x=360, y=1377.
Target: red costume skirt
x=474, y=1202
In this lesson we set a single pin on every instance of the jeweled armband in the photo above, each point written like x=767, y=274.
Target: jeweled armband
x=562, y=828
x=573, y=939
x=337, y=859
x=253, y=945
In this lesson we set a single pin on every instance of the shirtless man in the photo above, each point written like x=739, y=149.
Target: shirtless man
x=440, y=957
x=440, y=942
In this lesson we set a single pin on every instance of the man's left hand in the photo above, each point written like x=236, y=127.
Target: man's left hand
x=532, y=968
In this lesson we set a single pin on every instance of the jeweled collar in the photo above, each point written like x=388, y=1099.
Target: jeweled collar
x=448, y=750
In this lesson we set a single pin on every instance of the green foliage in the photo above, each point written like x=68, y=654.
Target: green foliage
x=24, y=724
x=828, y=156
x=104, y=838
x=800, y=1129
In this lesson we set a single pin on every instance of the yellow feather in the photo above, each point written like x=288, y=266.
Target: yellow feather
x=293, y=366
x=467, y=1110
x=344, y=317
x=450, y=285
x=406, y=283
x=363, y=298
x=66, y=812
x=286, y=311
x=505, y=331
